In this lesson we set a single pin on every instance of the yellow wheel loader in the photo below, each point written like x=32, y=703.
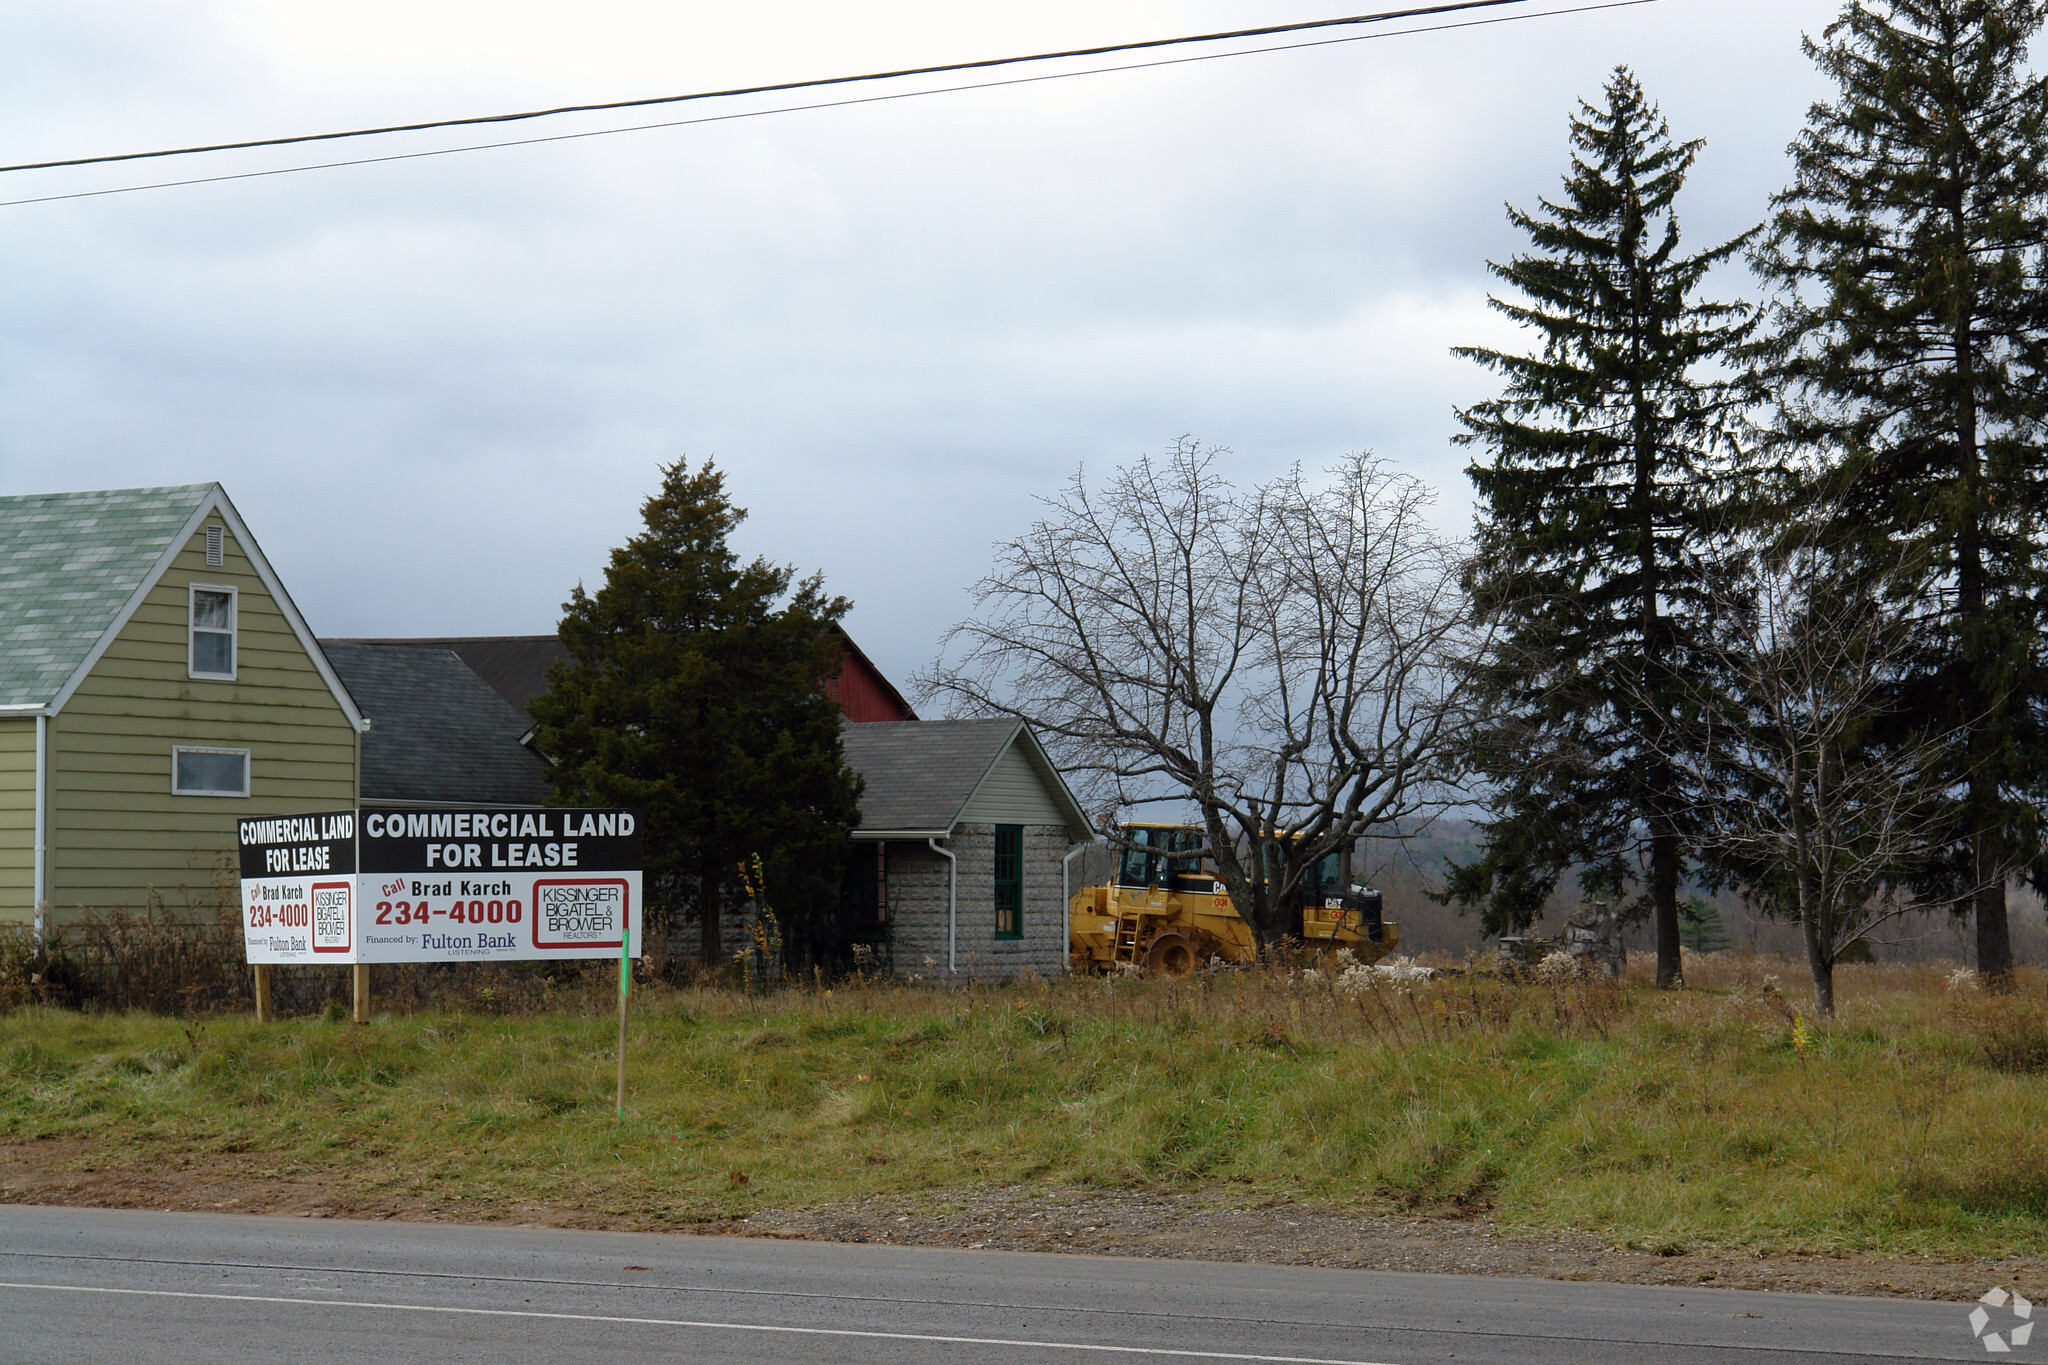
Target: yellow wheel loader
x=1165, y=912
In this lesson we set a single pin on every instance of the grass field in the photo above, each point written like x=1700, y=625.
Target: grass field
x=1712, y=1115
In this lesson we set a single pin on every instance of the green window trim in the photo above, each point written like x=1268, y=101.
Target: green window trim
x=1009, y=880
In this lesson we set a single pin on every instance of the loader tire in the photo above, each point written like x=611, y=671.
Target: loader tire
x=1174, y=953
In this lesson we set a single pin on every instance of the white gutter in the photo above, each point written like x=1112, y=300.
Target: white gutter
x=952, y=906
x=1066, y=866
x=42, y=822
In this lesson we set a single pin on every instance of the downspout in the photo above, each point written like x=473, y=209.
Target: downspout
x=42, y=873
x=952, y=905
x=1066, y=867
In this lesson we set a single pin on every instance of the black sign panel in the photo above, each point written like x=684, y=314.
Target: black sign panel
x=487, y=839
x=298, y=845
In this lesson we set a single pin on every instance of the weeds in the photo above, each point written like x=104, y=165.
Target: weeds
x=2011, y=1030
x=1713, y=1114
x=1720, y=1114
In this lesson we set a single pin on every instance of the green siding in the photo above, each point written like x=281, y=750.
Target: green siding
x=17, y=820
x=118, y=831
x=1013, y=794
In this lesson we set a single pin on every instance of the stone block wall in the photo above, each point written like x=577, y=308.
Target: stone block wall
x=918, y=907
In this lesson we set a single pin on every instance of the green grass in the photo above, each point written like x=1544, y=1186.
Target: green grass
x=1909, y=1126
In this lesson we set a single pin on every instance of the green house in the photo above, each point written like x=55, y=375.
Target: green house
x=156, y=683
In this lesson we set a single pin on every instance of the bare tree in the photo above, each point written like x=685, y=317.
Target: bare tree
x=1811, y=815
x=1285, y=659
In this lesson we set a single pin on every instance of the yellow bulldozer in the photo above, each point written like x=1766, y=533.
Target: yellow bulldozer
x=1165, y=912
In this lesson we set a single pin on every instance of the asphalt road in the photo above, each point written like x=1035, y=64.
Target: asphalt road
x=117, y=1285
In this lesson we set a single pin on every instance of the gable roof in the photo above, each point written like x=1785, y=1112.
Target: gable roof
x=439, y=732
x=515, y=666
x=68, y=562
x=920, y=774
x=74, y=567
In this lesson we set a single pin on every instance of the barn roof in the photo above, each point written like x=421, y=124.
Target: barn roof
x=514, y=666
x=439, y=733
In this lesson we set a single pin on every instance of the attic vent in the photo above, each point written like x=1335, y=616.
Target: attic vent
x=213, y=546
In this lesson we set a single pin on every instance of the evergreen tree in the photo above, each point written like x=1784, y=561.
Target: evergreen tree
x=1596, y=543
x=1907, y=346
x=690, y=693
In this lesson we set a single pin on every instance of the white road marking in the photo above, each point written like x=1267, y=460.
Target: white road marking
x=717, y=1326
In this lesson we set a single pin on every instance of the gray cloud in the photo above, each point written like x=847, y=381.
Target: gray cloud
x=439, y=389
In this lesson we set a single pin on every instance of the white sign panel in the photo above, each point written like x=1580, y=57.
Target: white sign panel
x=485, y=884
x=298, y=887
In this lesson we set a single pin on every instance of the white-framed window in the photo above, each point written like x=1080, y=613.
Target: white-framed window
x=197, y=770
x=211, y=653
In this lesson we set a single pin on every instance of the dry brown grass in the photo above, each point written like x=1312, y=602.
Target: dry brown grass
x=1719, y=1114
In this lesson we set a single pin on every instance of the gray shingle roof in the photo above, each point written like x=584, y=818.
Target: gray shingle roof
x=919, y=773
x=437, y=731
x=68, y=563
x=516, y=666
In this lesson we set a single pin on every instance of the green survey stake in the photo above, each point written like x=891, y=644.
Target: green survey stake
x=625, y=985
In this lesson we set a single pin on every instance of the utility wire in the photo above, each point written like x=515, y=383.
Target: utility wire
x=783, y=109
x=1105, y=50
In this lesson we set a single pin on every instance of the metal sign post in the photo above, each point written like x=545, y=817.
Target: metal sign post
x=625, y=987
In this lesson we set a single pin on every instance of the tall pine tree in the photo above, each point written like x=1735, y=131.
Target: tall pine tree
x=1908, y=345
x=694, y=689
x=1596, y=543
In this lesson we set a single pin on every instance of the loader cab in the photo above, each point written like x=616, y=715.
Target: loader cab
x=1320, y=884
x=1329, y=893
x=1164, y=856
x=1324, y=882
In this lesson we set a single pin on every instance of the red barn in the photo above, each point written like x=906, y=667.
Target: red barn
x=863, y=694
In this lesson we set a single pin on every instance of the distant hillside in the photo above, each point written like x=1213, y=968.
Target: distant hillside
x=1405, y=870
x=1403, y=873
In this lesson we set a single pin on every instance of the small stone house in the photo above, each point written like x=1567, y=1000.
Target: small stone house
x=156, y=683
x=972, y=837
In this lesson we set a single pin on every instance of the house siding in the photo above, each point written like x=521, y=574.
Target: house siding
x=1012, y=793
x=17, y=820
x=118, y=834
x=918, y=907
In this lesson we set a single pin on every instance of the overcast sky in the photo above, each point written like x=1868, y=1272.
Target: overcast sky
x=439, y=389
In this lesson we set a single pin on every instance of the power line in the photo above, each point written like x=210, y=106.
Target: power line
x=800, y=108
x=784, y=86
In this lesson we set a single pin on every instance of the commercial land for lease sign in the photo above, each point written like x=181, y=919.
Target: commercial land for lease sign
x=482, y=884
x=291, y=866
